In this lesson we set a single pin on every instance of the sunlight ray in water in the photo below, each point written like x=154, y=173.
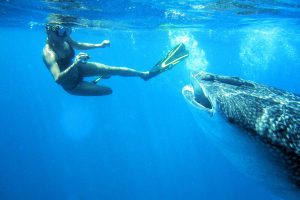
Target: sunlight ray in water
x=77, y=124
x=197, y=59
x=260, y=46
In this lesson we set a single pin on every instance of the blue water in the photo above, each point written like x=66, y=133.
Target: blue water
x=142, y=142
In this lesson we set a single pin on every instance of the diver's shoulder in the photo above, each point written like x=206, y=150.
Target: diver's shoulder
x=47, y=49
x=48, y=52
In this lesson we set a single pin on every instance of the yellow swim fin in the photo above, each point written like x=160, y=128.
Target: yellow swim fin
x=175, y=56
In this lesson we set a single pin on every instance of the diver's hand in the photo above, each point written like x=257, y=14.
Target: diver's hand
x=82, y=58
x=104, y=43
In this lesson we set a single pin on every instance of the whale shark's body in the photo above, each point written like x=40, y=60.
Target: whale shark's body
x=257, y=127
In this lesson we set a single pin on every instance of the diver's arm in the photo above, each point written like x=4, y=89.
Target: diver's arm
x=86, y=46
x=49, y=58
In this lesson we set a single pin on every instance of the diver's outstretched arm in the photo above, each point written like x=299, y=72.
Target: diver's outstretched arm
x=86, y=46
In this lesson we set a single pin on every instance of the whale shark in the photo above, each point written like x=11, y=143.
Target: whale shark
x=257, y=127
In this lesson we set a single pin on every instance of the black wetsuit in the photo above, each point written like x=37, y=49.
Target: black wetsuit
x=63, y=64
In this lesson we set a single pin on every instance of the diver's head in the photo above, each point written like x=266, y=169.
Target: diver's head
x=58, y=31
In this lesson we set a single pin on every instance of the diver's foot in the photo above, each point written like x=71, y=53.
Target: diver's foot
x=146, y=75
x=150, y=74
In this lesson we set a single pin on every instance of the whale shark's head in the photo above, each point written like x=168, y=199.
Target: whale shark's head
x=255, y=126
x=208, y=91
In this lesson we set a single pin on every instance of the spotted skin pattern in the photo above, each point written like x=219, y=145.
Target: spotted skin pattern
x=269, y=115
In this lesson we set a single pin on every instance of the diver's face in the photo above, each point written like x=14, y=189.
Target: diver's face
x=59, y=33
x=62, y=31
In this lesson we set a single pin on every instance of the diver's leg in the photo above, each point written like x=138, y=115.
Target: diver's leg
x=98, y=69
x=89, y=89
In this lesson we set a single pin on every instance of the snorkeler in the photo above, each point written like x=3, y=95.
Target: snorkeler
x=58, y=55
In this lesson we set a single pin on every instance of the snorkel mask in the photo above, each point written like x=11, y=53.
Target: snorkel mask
x=61, y=31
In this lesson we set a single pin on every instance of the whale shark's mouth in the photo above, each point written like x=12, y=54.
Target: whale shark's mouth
x=202, y=98
x=197, y=96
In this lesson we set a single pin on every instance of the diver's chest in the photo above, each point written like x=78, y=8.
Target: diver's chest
x=63, y=52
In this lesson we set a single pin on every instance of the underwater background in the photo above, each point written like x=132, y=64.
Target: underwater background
x=142, y=141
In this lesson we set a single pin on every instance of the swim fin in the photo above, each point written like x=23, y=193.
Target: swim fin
x=175, y=56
